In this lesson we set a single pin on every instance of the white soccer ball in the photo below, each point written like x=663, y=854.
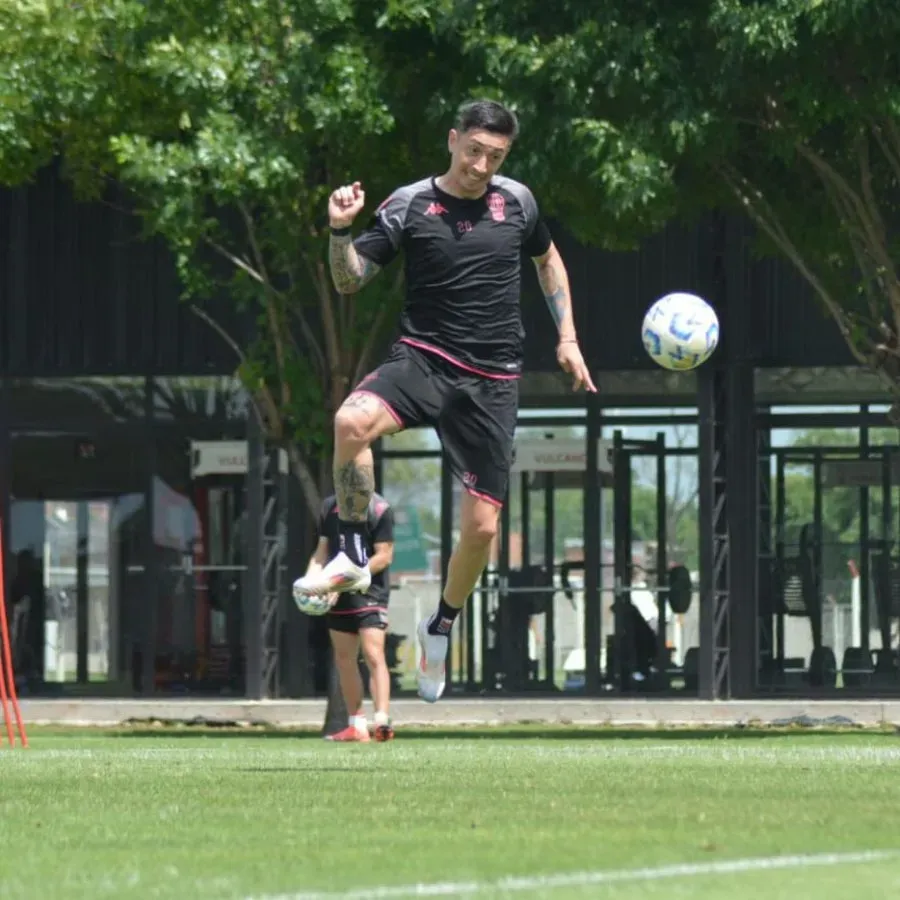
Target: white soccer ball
x=680, y=331
x=311, y=604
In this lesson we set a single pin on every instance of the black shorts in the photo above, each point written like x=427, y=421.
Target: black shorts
x=474, y=415
x=353, y=612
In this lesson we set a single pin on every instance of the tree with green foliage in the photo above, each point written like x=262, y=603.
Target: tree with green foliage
x=229, y=124
x=788, y=111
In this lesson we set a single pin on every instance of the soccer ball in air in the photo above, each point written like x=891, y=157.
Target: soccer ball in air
x=680, y=331
x=313, y=605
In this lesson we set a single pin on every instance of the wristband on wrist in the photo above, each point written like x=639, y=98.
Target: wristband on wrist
x=340, y=232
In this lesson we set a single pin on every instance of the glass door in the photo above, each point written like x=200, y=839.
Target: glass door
x=198, y=519
x=76, y=572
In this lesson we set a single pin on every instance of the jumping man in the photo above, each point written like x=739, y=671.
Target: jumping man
x=458, y=360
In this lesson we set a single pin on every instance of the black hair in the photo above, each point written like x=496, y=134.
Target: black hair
x=487, y=115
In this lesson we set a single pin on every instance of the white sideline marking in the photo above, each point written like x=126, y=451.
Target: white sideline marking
x=583, y=879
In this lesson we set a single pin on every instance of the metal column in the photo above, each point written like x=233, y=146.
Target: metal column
x=865, y=559
x=274, y=546
x=146, y=617
x=765, y=638
x=618, y=662
x=743, y=516
x=266, y=543
x=715, y=659
x=82, y=591
x=593, y=555
x=662, y=555
x=446, y=551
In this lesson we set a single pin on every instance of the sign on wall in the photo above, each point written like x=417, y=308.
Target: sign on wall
x=560, y=455
x=224, y=458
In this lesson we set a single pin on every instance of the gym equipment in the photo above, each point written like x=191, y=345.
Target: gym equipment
x=887, y=601
x=794, y=586
x=677, y=589
x=523, y=593
x=680, y=590
x=645, y=654
x=628, y=644
x=510, y=597
x=797, y=594
x=691, y=669
x=856, y=667
x=822, y=670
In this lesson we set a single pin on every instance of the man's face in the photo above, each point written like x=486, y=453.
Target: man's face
x=476, y=156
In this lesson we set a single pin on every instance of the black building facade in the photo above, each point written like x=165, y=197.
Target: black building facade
x=133, y=478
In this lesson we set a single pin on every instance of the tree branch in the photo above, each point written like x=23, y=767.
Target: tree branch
x=294, y=306
x=365, y=353
x=202, y=314
x=264, y=406
x=295, y=309
x=893, y=156
x=887, y=279
x=868, y=219
x=273, y=314
x=254, y=244
x=305, y=476
x=329, y=326
x=235, y=260
x=868, y=270
x=759, y=209
x=263, y=402
x=865, y=180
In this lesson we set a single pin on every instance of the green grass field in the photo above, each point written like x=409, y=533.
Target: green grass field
x=524, y=812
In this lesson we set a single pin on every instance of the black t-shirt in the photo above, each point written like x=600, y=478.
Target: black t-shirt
x=463, y=268
x=381, y=531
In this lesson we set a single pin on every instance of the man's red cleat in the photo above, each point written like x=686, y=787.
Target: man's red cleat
x=349, y=735
x=383, y=733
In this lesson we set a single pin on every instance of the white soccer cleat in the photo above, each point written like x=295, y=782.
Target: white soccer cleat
x=432, y=658
x=340, y=575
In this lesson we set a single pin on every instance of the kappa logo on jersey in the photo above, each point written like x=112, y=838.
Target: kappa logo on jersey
x=435, y=209
x=497, y=206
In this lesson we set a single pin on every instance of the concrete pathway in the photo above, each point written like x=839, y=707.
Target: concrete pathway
x=472, y=711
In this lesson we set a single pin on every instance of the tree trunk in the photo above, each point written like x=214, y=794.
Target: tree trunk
x=336, y=710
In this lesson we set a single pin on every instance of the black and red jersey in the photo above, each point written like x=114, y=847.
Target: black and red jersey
x=463, y=262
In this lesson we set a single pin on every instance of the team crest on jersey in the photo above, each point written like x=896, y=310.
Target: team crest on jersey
x=497, y=206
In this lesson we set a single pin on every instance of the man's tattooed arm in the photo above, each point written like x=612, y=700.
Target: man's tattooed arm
x=554, y=281
x=354, y=485
x=349, y=271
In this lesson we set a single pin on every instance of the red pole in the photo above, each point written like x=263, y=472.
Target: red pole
x=4, y=697
x=7, y=678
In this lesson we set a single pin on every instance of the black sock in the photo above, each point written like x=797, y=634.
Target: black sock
x=443, y=620
x=353, y=541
